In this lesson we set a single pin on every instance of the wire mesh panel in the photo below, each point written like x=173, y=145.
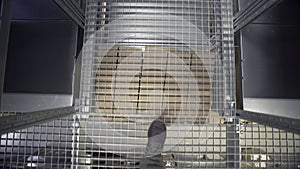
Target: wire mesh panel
x=268, y=147
x=47, y=145
x=155, y=59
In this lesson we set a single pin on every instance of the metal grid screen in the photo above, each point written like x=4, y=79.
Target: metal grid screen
x=48, y=145
x=156, y=59
x=268, y=147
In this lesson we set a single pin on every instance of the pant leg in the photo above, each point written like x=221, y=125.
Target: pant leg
x=154, y=162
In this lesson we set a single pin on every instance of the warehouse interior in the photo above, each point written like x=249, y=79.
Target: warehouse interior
x=81, y=81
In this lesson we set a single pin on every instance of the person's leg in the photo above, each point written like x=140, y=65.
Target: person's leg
x=154, y=162
x=156, y=140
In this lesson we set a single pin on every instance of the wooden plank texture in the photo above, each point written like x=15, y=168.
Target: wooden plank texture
x=147, y=80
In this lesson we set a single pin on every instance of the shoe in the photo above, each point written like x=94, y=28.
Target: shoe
x=157, y=133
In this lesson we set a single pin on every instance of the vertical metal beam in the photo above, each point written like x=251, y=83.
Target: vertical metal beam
x=77, y=64
x=82, y=4
x=233, y=144
x=76, y=78
x=4, y=38
x=235, y=6
x=239, y=71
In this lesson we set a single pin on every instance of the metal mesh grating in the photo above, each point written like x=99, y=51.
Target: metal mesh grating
x=149, y=59
x=267, y=147
x=156, y=59
x=47, y=145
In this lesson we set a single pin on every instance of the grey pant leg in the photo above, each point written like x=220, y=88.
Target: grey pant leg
x=155, y=162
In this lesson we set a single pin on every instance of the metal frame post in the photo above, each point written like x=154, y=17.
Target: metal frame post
x=4, y=39
x=239, y=71
x=233, y=143
x=78, y=57
x=238, y=62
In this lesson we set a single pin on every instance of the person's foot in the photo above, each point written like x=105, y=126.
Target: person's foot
x=157, y=133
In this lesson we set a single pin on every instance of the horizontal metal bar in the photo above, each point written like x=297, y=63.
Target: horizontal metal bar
x=72, y=10
x=251, y=12
x=23, y=120
x=288, y=124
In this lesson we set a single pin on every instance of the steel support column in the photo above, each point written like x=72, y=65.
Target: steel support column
x=4, y=38
x=233, y=144
x=20, y=121
x=239, y=70
x=77, y=64
x=251, y=12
